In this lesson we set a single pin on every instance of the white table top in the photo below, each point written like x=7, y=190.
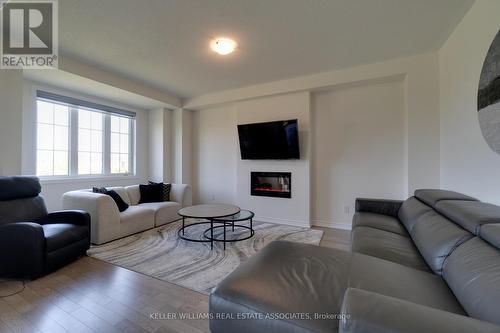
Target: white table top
x=209, y=211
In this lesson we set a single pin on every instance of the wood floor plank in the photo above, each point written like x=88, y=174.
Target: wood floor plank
x=94, y=322
x=14, y=320
x=90, y=295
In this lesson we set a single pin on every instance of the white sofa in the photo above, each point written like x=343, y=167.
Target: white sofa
x=107, y=223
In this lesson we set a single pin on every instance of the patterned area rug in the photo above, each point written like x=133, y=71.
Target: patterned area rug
x=162, y=254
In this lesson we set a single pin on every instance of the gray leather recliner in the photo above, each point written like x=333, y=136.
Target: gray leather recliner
x=430, y=263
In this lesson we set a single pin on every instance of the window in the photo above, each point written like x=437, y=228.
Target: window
x=52, y=139
x=120, y=139
x=78, y=138
x=90, y=143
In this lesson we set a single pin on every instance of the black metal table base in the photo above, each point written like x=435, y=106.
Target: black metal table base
x=210, y=238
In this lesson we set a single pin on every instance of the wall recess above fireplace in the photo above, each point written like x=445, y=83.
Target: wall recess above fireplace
x=271, y=184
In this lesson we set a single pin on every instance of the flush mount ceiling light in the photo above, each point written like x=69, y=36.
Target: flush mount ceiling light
x=223, y=46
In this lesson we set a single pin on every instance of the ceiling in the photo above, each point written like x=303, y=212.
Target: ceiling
x=82, y=85
x=164, y=43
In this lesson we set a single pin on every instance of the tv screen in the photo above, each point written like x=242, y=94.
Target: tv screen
x=276, y=140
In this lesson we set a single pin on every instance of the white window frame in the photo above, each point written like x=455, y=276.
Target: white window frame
x=73, y=146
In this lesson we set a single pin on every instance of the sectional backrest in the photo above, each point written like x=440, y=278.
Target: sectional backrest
x=472, y=272
x=434, y=235
x=459, y=238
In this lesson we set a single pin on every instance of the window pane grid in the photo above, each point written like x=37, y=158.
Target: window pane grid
x=120, y=150
x=101, y=144
x=90, y=142
x=52, y=139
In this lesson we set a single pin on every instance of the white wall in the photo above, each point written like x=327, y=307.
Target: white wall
x=52, y=190
x=404, y=91
x=467, y=163
x=11, y=101
x=289, y=211
x=160, y=145
x=359, y=149
x=181, y=146
x=219, y=174
x=215, y=154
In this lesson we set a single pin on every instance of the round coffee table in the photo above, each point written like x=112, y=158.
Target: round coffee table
x=210, y=212
x=229, y=221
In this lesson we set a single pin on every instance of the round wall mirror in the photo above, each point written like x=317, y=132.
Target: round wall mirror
x=488, y=96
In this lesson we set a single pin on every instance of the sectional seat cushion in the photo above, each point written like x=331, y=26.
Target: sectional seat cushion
x=431, y=196
x=283, y=277
x=300, y=278
x=164, y=211
x=410, y=211
x=436, y=237
x=403, y=282
x=471, y=215
x=136, y=219
x=387, y=245
x=472, y=272
x=379, y=221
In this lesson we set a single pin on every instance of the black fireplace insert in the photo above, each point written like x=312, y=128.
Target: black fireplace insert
x=271, y=184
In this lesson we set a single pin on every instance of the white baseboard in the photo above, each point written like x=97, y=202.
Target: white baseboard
x=332, y=224
x=297, y=223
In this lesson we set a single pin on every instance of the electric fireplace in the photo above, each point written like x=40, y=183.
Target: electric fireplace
x=271, y=184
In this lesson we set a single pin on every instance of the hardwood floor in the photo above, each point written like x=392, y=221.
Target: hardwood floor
x=93, y=296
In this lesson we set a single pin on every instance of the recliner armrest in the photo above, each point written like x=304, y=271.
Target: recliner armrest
x=78, y=217
x=378, y=206
x=22, y=249
x=368, y=312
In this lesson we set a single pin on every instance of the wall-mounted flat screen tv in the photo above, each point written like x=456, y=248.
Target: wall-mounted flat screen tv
x=276, y=140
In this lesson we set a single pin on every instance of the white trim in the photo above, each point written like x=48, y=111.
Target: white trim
x=297, y=223
x=84, y=179
x=332, y=224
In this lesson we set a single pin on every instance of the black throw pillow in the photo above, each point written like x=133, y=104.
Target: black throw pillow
x=151, y=193
x=101, y=190
x=166, y=190
x=122, y=205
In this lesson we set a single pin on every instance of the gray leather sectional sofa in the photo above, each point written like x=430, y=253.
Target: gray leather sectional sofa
x=430, y=263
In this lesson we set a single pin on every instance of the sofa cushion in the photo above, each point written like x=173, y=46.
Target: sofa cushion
x=122, y=205
x=378, y=221
x=436, y=237
x=122, y=192
x=472, y=272
x=410, y=211
x=388, y=246
x=60, y=235
x=165, y=212
x=491, y=234
x=391, y=279
x=471, y=215
x=136, y=219
x=432, y=196
x=284, y=277
x=134, y=194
